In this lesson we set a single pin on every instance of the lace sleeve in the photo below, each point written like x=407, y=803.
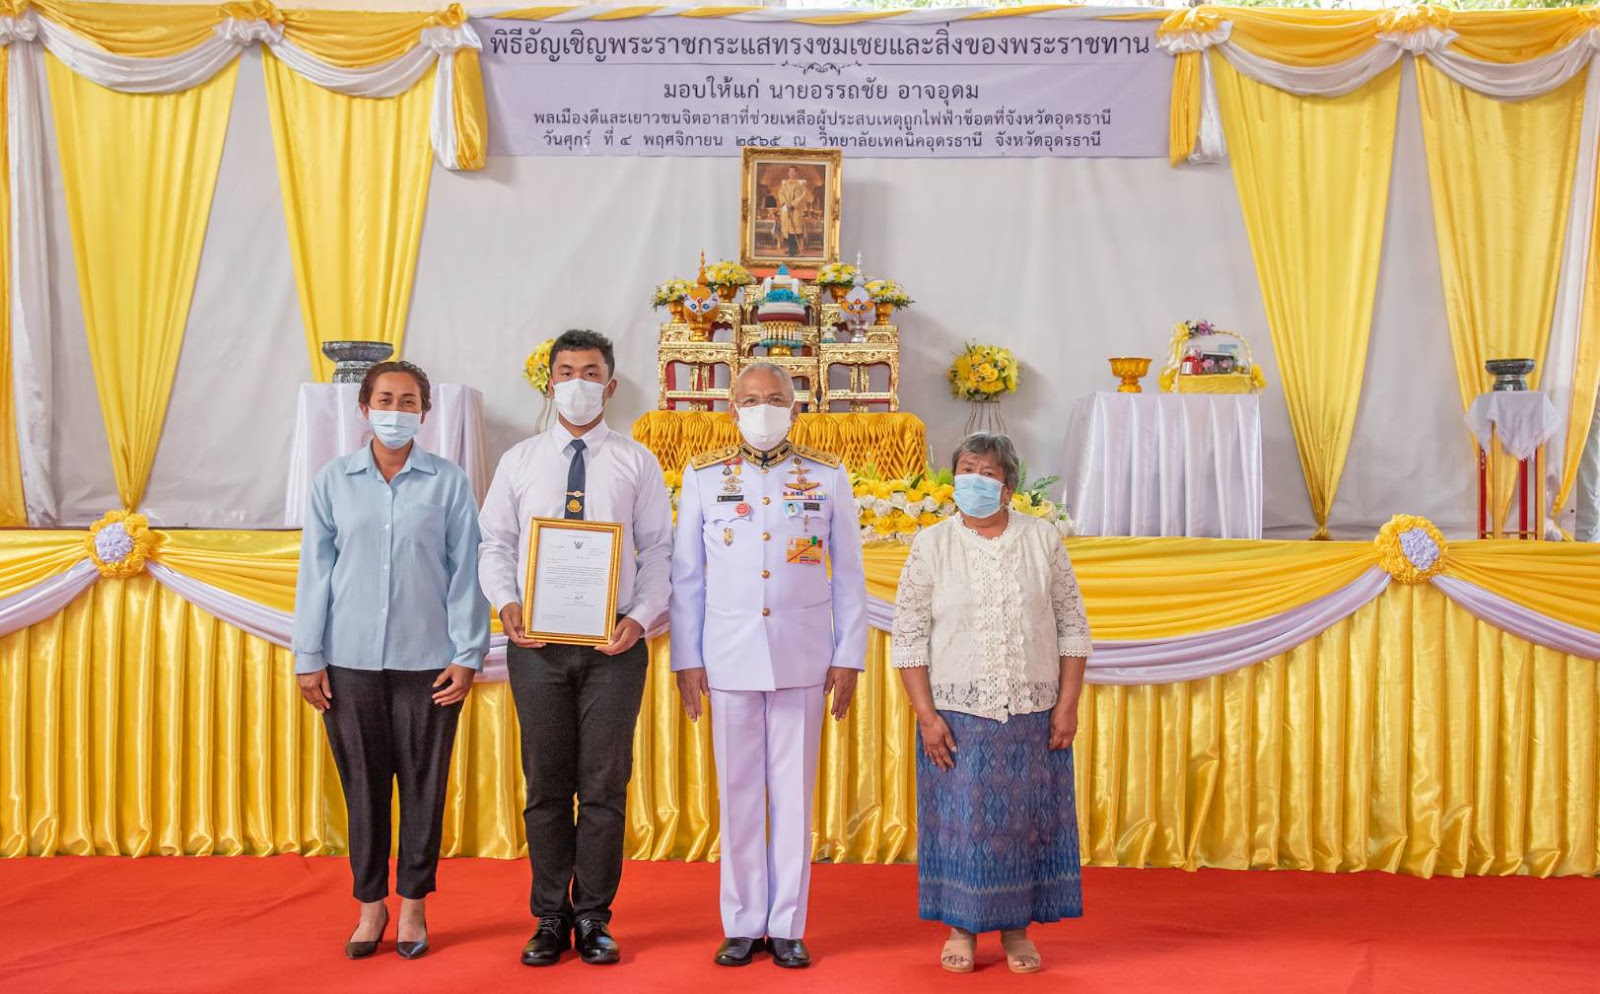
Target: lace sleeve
x=913, y=609
x=1072, y=625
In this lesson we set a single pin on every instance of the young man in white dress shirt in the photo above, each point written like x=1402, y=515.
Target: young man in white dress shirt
x=761, y=627
x=577, y=705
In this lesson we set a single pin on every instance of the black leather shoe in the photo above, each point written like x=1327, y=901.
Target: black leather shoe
x=411, y=950
x=361, y=950
x=791, y=954
x=595, y=944
x=739, y=952
x=553, y=938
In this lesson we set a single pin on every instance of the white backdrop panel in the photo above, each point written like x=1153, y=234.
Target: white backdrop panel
x=1065, y=261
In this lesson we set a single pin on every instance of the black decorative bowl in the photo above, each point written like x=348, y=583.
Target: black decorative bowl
x=1509, y=374
x=352, y=359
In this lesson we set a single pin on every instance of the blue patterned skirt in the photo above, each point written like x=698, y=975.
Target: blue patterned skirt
x=997, y=837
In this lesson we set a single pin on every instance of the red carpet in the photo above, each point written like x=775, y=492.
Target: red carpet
x=279, y=924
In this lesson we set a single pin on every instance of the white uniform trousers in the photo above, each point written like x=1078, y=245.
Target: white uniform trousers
x=766, y=745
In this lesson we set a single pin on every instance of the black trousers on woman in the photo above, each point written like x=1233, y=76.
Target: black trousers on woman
x=384, y=727
x=576, y=709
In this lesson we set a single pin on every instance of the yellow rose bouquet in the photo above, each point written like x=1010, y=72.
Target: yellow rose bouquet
x=537, y=366
x=983, y=372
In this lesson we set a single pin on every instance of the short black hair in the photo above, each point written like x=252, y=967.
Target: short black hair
x=424, y=388
x=583, y=340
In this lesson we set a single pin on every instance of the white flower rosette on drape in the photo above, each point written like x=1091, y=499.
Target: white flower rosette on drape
x=1409, y=550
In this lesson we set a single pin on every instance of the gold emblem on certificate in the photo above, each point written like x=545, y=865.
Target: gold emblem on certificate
x=570, y=592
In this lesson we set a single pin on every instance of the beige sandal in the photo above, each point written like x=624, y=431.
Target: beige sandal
x=959, y=954
x=1022, y=956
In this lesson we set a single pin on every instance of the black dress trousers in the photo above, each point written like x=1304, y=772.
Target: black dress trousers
x=384, y=727
x=576, y=709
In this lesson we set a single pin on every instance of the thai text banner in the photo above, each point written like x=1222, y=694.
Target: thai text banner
x=1002, y=87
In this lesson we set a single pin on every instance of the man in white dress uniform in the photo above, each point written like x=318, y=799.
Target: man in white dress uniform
x=759, y=626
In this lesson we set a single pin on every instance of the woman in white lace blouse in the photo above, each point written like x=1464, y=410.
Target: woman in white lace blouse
x=991, y=640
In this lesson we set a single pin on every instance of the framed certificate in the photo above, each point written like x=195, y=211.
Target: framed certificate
x=570, y=593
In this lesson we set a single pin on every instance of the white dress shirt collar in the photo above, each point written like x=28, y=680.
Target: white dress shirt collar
x=593, y=439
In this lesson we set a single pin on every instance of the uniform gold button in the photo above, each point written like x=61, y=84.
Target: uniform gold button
x=766, y=500
x=766, y=536
x=766, y=611
x=766, y=573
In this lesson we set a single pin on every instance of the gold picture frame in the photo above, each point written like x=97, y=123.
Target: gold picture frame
x=789, y=212
x=573, y=577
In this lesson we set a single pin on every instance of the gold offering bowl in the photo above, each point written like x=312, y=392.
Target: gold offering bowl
x=1131, y=369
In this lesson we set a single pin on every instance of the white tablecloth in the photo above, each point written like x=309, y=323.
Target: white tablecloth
x=1522, y=419
x=1165, y=464
x=328, y=423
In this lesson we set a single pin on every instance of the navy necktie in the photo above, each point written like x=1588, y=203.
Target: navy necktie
x=575, y=482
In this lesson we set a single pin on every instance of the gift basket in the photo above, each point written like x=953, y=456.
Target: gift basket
x=1206, y=359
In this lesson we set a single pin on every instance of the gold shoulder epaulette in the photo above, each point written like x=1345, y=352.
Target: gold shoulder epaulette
x=817, y=455
x=714, y=456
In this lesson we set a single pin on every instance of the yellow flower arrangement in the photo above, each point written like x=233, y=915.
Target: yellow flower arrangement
x=888, y=292
x=726, y=272
x=537, y=366
x=671, y=290
x=837, y=274
x=983, y=372
x=119, y=543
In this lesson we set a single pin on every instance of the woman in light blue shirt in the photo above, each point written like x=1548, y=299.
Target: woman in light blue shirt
x=390, y=629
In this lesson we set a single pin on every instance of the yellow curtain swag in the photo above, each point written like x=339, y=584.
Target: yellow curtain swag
x=256, y=10
x=120, y=543
x=1411, y=549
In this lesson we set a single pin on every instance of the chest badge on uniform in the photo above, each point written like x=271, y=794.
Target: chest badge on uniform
x=743, y=510
x=805, y=551
x=791, y=509
x=727, y=536
x=799, y=485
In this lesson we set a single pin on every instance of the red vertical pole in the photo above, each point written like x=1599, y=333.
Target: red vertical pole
x=1483, y=494
x=1522, y=499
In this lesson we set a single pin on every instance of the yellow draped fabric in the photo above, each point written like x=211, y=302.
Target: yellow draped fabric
x=1136, y=589
x=1408, y=738
x=359, y=38
x=1310, y=37
x=1184, y=125
x=471, y=112
x=1501, y=176
x=31, y=557
x=1316, y=256
x=893, y=445
x=258, y=566
x=354, y=174
x=1557, y=579
x=13, y=509
x=141, y=30
x=138, y=172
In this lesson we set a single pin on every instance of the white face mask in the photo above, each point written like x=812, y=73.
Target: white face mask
x=580, y=401
x=394, y=429
x=764, y=426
